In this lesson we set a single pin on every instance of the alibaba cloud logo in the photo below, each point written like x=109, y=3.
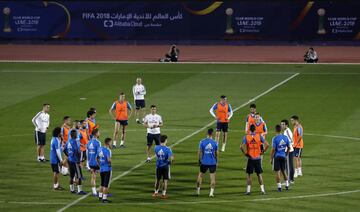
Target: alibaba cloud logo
x=108, y=23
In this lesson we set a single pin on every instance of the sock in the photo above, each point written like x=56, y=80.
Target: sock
x=156, y=191
x=164, y=192
x=100, y=195
x=287, y=183
x=198, y=190
x=72, y=187
x=56, y=185
x=279, y=185
x=262, y=187
x=211, y=191
x=121, y=142
x=114, y=143
x=79, y=188
x=137, y=119
x=104, y=196
x=42, y=157
x=299, y=170
x=248, y=188
x=93, y=190
x=38, y=158
x=223, y=146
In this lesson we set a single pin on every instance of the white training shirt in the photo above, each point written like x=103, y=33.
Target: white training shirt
x=152, y=120
x=289, y=135
x=41, y=121
x=313, y=55
x=139, y=92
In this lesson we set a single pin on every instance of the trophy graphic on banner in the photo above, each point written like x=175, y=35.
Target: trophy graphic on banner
x=6, y=12
x=321, y=29
x=229, y=29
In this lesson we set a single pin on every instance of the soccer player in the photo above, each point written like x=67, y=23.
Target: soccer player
x=41, y=122
x=280, y=148
x=91, y=121
x=152, y=122
x=298, y=144
x=92, y=151
x=65, y=128
x=84, y=139
x=55, y=156
x=104, y=160
x=164, y=157
x=250, y=119
x=120, y=111
x=251, y=149
x=289, y=166
x=72, y=149
x=139, y=93
x=260, y=125
x=223, y=115
x=208, y=159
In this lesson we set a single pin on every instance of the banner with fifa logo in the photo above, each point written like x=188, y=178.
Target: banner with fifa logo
x=181, y=20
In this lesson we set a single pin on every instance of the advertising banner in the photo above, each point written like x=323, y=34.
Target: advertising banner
x=181, y=20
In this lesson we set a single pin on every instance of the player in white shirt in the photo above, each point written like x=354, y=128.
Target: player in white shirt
x=41, y=122
x=139, y=93
x=152, y=122
x=290, y=157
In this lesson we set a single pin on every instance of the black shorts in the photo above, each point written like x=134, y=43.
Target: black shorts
x=163, y=172
x=140, y=103
x=40, y=138
x=75, y=170
x=95, y=168
x=153, y=137
x=55, y=168
x=204, y=168
x=83, y=156
x=222, y=126
x=298, y=152
x=105, y=178
x=279, y=164
x=254, y=165
x=123, y=122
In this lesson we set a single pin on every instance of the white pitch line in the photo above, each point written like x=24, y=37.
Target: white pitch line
x=184, y=138
x=180, y=62
x=196, y=202
x=179, y=72
x=334, y=136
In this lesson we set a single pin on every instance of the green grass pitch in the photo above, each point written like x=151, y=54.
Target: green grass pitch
x=326, y=98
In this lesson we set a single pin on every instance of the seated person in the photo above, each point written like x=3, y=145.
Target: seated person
x=172, y=55
x=311, y=56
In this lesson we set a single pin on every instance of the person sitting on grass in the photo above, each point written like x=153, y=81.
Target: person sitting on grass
x=311, y=56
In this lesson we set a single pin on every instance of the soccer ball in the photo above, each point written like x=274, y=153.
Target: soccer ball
x=64, y=171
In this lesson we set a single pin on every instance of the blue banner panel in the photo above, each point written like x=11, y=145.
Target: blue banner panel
x=181, y=20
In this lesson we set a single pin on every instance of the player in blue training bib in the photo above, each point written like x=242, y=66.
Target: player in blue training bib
x=72, y=149
x=104, y=159
x=92, y=151
x=164, y=158
x=55, y=156
x=280, y=149
x=208, y=153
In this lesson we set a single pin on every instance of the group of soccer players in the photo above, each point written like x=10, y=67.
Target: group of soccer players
x=76, y=146
x=74, y=143
x=286, y=145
